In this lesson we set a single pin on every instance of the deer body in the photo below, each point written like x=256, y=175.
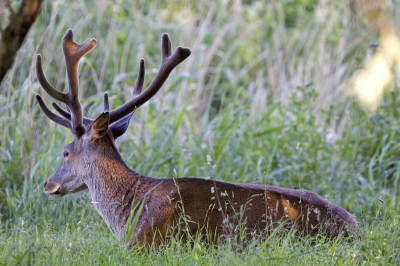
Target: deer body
x=92, y=163
x=200, y=204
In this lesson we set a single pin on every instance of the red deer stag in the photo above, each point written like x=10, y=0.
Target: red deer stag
x=92, y=163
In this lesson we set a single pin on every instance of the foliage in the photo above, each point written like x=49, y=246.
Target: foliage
x=259, y=101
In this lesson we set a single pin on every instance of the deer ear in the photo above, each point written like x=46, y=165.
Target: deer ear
x=118, y=129
x=99, y=127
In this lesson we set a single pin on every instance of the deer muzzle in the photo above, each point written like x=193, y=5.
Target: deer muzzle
x=52, y=188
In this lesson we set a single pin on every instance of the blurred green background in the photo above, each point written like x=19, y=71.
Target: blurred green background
x=262, y=99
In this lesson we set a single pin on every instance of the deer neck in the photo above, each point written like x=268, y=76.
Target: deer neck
x=113, y=186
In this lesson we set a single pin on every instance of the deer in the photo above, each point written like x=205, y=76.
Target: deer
x=92, y=163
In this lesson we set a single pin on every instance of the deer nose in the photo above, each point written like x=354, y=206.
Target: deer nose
x=44, y=185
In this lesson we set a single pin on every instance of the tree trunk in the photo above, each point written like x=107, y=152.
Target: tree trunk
x=14, y=34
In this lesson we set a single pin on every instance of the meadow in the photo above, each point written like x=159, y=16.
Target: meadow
x=262, y=99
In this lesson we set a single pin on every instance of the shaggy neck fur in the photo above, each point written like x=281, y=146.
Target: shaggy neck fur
x=113, y=202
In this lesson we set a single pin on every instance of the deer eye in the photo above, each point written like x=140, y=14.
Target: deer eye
x=65, y=153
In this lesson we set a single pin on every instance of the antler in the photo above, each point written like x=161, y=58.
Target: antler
x=72, y=117
x=168, y=63
x=73, y=53
x=137, y=89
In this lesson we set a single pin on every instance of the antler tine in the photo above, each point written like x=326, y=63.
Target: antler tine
x=61, y=111
x=56, y=118
x=169, y=62
x=106, y=103
x=45, y=84
x=137, y=90
x=73, y=53
x=67, y=114
x=166, y=48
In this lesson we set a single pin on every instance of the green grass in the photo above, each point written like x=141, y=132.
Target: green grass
x=260, y=100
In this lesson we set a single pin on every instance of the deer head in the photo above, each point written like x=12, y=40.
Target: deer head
x=95, y=139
